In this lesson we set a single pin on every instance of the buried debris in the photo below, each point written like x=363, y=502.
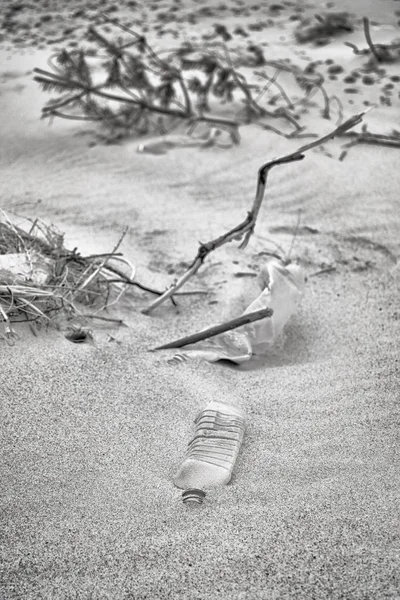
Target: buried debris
x=212, y=453
x=260, y=325
x=321, y=28
x=78, y=334
x=168, y=142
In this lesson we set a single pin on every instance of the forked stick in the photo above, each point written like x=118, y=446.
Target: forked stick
x=246, y=228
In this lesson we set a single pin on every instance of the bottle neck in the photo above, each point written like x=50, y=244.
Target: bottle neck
x=193, y=495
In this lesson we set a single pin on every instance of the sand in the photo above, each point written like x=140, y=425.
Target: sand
x=93, y=433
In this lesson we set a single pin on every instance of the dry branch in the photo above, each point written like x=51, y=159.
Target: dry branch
x=244, y=230
x=366, y=137
x=217, y=329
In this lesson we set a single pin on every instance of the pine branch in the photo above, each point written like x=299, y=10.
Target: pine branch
x=58, y=85
x=57, y=113
x=105, y=43
x=172, y=96
x=272, y=81
x=50, y=107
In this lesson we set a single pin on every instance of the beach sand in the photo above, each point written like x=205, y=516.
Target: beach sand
x=92, y=434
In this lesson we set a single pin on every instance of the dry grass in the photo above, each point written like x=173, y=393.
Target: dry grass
x=51, y=284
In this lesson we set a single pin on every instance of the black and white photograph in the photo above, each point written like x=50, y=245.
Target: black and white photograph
x=199, y=300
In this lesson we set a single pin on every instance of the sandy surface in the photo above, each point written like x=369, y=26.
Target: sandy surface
x=92, y=434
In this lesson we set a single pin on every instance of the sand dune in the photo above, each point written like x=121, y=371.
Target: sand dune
x=93, y=433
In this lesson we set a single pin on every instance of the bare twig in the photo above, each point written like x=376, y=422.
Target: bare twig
x=340, y=109
x=366, y=137
x=381, y=52
x=104, y=262
x=326, y=110
x=108, y=319
x=241, y=83
x=355, y=48
x=272, y=81
x=323, y=271
x=296, y=232
x=123, y=278
x=217, y=329
x=245, y=229
x=369, y=41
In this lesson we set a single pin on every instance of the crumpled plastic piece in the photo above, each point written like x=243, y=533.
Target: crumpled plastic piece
x=162, y=145
x=21, y=268
x=282, y=287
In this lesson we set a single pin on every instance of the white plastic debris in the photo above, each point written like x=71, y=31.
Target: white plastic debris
x=212, y=452
x=24, y=267
x=282, y=287
x=161, y=145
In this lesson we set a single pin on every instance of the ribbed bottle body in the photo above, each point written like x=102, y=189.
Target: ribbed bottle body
x=212, y=453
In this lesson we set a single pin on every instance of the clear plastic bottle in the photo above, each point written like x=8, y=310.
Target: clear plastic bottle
x=212, y=453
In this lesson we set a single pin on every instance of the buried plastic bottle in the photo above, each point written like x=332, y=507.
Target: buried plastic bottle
x=211, y=454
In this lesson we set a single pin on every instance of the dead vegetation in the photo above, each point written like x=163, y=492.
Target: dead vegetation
x=129, y=88
x=43, y=283
x=377, y=53
x=320, y=28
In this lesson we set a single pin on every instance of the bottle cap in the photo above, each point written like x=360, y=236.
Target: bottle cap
x=193, y=495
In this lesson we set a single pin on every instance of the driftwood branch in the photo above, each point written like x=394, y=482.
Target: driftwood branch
x=217, y=329
x=244, y=230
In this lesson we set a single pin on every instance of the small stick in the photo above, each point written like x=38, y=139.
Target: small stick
x=369, y=41
x=326, y=111
x=213, y=331
x=103, y=264
x=322, y=271
x=340, y=109
x=272, y=81
x=119, y=321
x=378, y=139
x=296, y=231
x=355, y=49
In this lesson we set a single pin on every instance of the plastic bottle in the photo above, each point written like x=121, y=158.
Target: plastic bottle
x=212, y=453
